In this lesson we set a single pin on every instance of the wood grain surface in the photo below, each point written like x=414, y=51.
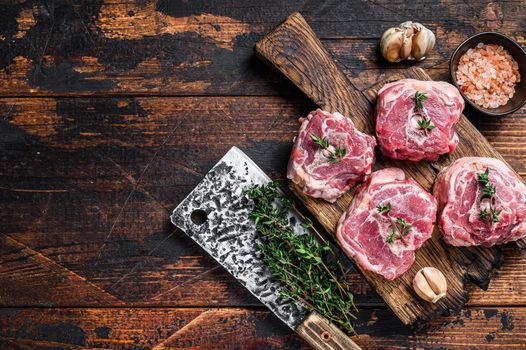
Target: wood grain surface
x=112, y=111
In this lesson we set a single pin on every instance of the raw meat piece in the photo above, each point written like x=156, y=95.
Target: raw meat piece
x=461, y=199
x=397, y=117
x=310, y=165
x=364, y=230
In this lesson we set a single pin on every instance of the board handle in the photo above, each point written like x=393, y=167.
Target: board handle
x=294, y=49
x=323, y=335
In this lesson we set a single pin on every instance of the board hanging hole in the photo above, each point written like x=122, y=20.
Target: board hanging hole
x=198, y=217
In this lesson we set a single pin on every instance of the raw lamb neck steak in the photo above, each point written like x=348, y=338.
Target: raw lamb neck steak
x=340, y=158
x=389, y=218
x=399, y=119
x=482, y=202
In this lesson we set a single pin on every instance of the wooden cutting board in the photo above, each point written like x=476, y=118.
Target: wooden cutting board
x=294, y=50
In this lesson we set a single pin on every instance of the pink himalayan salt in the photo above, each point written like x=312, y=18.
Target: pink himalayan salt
x=487, y=75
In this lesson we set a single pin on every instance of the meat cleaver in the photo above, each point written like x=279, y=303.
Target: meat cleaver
x=216, y=216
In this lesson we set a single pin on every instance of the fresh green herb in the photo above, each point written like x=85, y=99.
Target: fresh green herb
x=306, y=266
x=492, y=215
x=489, y=190
x=385, y=207
x=307, y=225
x=488, y=187
x=483, y=178
x=341, y=152
x=406, y=228
x=484, y=214
x=425, y=122
x=420, y=97
x=332, y=158
x=337, y=155
x=495, y=215
x=399, y=227
x=391, y=237
x=426, y=125
x=323, y=143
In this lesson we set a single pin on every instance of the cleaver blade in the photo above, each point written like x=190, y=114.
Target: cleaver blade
x=216, y=216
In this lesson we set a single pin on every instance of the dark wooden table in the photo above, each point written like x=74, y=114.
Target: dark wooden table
x=112, y=111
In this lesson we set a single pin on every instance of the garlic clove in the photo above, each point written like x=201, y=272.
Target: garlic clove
x=430, y=284
x=405, y=50
x=423, y=42
x=390, y=44
x=422, y=288
x=436, y=279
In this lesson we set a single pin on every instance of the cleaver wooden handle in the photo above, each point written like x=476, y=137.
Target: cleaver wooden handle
x=323, y=335
x=294, y=49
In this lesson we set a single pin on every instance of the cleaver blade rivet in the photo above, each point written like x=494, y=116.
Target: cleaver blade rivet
x=325, y=336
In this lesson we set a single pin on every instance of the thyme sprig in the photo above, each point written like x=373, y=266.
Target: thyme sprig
x=483, y=178
x=384, y=208
x=425, y=122
x=426, y=125
x=491, y=215
x=489, y=190
x=337, y=155
x=304, y=264
x=420, y=97
x=399, y=227
x=323, y=143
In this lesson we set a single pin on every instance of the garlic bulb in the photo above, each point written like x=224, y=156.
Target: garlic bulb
x=409, y=41
x=430, y=284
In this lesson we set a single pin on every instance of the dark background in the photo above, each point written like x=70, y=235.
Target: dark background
x=112, y=111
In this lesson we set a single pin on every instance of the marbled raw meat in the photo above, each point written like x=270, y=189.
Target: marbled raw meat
x=397, y=129
x=309, y=166
x=363, y=230
x=461, y=198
